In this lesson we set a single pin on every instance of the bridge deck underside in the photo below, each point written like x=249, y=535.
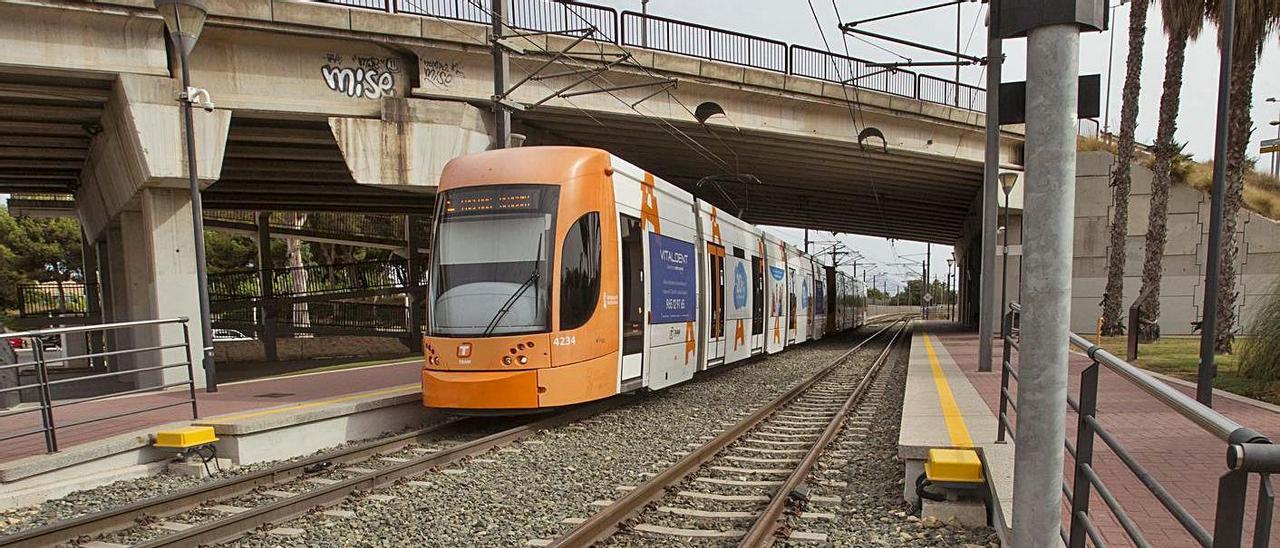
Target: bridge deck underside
x=803, y=182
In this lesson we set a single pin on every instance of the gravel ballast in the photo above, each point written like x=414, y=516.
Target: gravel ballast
x=526, y=491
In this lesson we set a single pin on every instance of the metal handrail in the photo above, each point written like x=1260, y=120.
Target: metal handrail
x=49, y=426
x=1205, y=417
x=1247, y=453
x=720, y=44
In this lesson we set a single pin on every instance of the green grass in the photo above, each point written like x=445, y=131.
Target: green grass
x=1180, y=357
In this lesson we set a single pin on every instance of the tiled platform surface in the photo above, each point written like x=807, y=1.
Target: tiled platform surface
x=1185, y=459
x=230, y=398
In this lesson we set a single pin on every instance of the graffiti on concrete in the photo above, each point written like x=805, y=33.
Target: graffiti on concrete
x=365, y=77
x=440, y=73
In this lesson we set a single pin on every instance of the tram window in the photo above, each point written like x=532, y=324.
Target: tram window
x=757, y=287
x=580, y=272
x=739, y=252
x=632, y=284
x=791, y=298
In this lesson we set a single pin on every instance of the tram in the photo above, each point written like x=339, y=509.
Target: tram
x=562, y=275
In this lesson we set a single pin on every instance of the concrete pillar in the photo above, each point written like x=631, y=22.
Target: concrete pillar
x=134, y=190
x=156, y=278
x=267, y=308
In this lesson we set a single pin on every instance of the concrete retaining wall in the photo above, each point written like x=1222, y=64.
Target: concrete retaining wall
x=311, y=348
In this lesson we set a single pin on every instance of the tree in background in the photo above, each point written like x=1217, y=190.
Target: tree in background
x=1183, y=20
x=36, y=250
x=1112, y=305
x=1254, y=22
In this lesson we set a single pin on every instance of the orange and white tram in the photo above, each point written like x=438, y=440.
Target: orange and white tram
x=561, y=275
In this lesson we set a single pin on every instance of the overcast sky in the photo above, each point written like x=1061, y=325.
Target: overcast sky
x=793, y=21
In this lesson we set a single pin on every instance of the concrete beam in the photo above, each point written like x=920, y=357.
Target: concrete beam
x=54, y=37
x=142, y=146
x=409, y=146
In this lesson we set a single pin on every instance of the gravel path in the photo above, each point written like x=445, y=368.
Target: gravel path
x=525, y=491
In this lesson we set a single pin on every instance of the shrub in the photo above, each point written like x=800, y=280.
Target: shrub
x=1260, y=351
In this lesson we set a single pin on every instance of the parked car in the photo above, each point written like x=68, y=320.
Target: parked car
x=17, y=343
x=230, y=335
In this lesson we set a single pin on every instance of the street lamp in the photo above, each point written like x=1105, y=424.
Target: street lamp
x=184, y=19
x=1008, y=180
x=1275, y=156
x=948, y=295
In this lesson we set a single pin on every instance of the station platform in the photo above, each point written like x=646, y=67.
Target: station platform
x=1186, y=460
x=231, y=398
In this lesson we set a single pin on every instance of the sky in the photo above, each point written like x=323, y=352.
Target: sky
x=793, y=21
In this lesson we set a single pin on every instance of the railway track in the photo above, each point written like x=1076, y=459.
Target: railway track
x=759, y=468
x=225, y=509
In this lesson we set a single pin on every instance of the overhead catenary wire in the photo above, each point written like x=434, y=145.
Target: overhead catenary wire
x=666, y=126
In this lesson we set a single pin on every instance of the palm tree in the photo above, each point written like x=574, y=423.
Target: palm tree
x=1254, y=22
x=1183, y=20
x=1112, y=315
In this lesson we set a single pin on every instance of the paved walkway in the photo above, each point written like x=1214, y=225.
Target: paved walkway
x=1185, y=459
x=230, y=398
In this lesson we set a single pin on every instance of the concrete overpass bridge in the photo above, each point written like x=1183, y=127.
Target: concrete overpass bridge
x=329, y=107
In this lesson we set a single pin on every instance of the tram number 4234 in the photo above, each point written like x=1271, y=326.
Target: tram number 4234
x=564, y=341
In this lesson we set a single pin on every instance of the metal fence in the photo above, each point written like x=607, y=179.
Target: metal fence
x=659, y=33
x=139, y=363
x=55, y=299
x=1248, y=455
x=670, y=35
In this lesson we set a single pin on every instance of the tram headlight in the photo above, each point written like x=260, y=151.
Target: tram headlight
x=523, y=360
x=506, y=360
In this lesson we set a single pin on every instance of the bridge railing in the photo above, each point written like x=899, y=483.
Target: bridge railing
x=312, y=280
x=1248, y=455
x=331, y=224
x=948, y=92
x=633, y=29
x=692, y=39
x=842, y=69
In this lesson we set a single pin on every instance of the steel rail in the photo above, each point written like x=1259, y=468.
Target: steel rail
x=235, y=525
x=125, y=516
x=772, y=517
x=606, y=522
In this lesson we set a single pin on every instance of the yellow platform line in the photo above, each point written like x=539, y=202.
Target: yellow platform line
x=956, y=427
x=224, y=419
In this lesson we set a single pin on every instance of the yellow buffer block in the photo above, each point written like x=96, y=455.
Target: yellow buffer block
x=953, y=466
x=185, y=437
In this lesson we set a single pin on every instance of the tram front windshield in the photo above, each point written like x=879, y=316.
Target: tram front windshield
x=492, y=260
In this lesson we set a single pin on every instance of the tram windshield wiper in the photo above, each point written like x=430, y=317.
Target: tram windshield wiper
x=511, y=301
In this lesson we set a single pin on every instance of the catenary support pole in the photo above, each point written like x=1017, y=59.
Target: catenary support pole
x=501, y=73
x=1053, y=53
x=1209, y=319
x=990, y=190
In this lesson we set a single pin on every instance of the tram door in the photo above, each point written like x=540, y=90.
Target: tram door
x=633, y=302
x=792, y=302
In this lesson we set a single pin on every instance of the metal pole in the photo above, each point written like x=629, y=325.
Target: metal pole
x=990, y=190
x=958, y=4
x=1209, y=319
x=197, y=226
x=1004, y=268
x=928, y=277
x=1053, y=54
x=266, y=280
x=501, y=73
x=1111, y=55
x=644, y=23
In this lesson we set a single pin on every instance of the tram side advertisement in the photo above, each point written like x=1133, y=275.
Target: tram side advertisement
x=674, y=280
